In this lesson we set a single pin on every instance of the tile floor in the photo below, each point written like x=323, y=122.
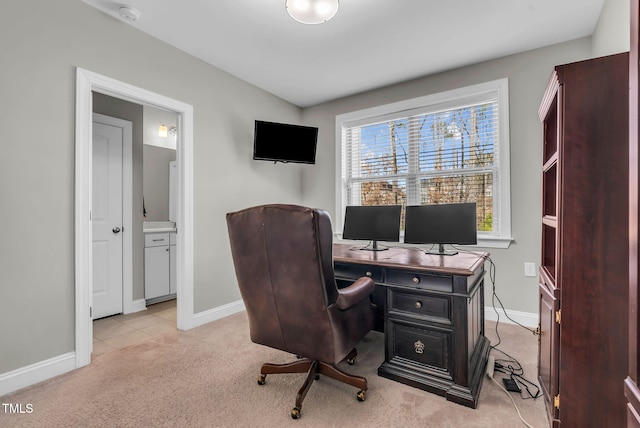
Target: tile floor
x=119, y=331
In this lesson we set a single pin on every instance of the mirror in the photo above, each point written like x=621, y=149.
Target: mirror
x=159, y=167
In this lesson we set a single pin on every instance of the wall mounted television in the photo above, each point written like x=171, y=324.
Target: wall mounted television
x=441, y=224
x=372, y=223
x=282, y=142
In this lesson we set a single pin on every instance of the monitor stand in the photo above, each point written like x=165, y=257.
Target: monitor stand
x=373, y=246
x=441, y=251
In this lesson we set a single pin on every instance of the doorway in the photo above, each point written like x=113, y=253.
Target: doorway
x=86, y=83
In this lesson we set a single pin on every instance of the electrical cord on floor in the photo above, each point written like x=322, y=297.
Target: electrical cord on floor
x=510, y=366
x=516, y=374
x=512, y=400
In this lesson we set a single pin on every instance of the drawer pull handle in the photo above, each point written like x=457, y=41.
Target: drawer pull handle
x=418, y=304
x=418, y=347
x=369, y=274
x=416, y=279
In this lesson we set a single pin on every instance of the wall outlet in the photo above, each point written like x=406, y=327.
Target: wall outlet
x=529, y=269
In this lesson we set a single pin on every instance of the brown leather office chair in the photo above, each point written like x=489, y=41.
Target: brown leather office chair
x=283, y=262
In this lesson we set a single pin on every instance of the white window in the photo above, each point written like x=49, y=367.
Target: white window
x=442, y=148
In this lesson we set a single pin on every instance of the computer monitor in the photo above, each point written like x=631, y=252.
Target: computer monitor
x=441, y=224
x=372, y=223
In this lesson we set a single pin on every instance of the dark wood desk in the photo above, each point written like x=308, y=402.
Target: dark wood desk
x=431, y=309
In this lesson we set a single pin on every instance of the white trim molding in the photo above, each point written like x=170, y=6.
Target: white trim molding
x=202, y=318
x=437, y=102
x=43, y=370
x=527, y=319
x=37, y=372
x=138, y=305
x=47, y=369
x=86, y=83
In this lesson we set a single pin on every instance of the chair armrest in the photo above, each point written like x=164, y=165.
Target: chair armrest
x=355, y=293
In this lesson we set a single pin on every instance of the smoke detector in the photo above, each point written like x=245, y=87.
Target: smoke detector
x=129, y=13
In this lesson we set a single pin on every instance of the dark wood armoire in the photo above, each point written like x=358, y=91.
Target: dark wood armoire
x=584, y=266
x=631, y=388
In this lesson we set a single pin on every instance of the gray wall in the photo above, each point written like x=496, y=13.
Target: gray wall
x=37, y=87
x=528, y=74
x=42, y=48
x=612, y=33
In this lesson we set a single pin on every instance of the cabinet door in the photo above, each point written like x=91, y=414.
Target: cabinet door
x=156, y=272
x=631, y=383
x=549, y=349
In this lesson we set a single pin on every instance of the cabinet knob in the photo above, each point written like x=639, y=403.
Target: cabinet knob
x=418, y=304
x=416, y=279
x=369, y=274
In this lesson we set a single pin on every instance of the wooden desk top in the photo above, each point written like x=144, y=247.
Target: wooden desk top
x=411, y=258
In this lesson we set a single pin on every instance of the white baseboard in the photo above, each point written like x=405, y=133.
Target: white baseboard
x=527, y=319
x=134, y=306
x=37, y=372
x=43, y=370
x=205, y=317
x=138, y=305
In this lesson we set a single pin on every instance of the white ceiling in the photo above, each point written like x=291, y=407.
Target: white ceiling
x=368, y=44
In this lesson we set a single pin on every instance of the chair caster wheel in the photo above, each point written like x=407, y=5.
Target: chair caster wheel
x=261, y=379
x=295, y=413
x=351, y=361
x=361, y=396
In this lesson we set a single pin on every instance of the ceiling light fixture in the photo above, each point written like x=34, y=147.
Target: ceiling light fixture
x=129, y=13
x=311, y=11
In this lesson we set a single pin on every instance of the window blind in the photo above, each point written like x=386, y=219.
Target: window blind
x=426, y=156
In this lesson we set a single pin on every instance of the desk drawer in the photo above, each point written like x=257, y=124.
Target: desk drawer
x=343, y=270
x=425, y=346
x=420, y=280
x=402, y=302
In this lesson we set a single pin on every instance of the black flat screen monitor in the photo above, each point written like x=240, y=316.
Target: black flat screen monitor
x=441, y=224
x=372, y=223
x=281, y=142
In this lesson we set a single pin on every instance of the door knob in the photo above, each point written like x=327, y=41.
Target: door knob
x=115, y=230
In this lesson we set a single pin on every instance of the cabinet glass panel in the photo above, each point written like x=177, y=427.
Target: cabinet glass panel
x=549, y=188
x=551, y=131
x=549, y=249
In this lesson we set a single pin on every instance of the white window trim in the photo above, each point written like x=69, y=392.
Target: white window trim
x=439, y=100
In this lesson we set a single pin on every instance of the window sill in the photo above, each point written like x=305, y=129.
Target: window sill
x=494, y=242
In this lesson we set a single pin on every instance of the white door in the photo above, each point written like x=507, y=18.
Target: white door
x=106, y=219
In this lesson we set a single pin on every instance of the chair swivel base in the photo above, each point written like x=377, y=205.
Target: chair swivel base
x=314, y=369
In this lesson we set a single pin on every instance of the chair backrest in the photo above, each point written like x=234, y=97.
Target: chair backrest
x=283, y=261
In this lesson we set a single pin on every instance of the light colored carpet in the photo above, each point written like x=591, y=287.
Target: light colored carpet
x=206, y=377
